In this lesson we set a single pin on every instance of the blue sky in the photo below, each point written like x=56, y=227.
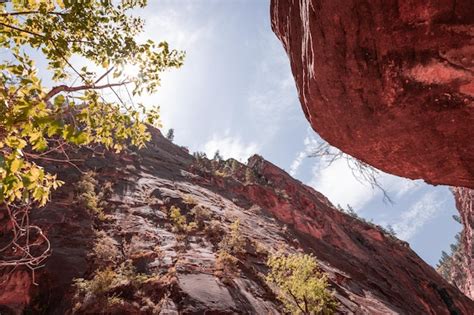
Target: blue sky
x=235, y=93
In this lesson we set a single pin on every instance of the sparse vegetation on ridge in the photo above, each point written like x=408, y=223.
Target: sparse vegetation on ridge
x=449, y=262
x=388, y=230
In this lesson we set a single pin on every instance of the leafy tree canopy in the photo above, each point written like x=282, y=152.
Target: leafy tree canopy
x=37, y=120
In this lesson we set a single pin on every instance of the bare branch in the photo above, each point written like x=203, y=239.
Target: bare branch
x=24, y=248
x=104, y=75
x=362, y=172
x=64, y=88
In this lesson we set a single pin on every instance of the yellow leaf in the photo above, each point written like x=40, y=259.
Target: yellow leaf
x=60, y=4
x=15, y=165
x=35, y=173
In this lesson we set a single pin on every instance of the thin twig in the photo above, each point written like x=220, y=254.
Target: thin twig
x=362, y=172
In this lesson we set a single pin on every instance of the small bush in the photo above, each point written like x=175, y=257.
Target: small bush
x=234, y=166
x=214, y=231
x=87, y=196
x=201, y=216
x=179, y=221
x=389, y=231
x=102, y=282
x=225, y=265
x=283, y=194
x=233, y=242
x=105, y=284
x=114, y=301
x=170, y=134
x=105, y=249
x=188, y=199
x=260, y=249
x=302, y=287
x=220, y=173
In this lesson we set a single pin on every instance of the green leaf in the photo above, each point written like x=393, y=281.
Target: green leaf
x=59, y=100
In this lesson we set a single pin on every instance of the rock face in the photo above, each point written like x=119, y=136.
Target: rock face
x=461, y=265
x=388, y=82
x=174, y=272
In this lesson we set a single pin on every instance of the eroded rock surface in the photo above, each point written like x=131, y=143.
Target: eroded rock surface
x=459, y=269
x=389, y=82
x=370, y=271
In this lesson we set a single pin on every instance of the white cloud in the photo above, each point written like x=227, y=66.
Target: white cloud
x=337, y=182
x=172, y=25
x=402, y=186
x=310, y=144
x=295, y=165
x=339, y=185
x=273, y=97
x=424, y=210
x=229, y=146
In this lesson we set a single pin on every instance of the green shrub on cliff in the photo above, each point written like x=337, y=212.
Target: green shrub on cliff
x=179, y=221
x=301, y=286
x=87, y=197
x=232, y=245
x=233, y=242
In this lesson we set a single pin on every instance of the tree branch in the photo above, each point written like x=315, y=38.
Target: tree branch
x=296, y=301
x=103, y=76
x=305, y=304
x=31, y=12
x=64, y=88
x=22, y=30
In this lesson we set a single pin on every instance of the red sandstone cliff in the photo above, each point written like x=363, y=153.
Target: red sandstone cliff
x=389, y=82
x=459, y=268
x=371, y=272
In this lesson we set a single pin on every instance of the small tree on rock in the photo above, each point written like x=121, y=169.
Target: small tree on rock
x=170, y=134
x=217, y=156
x=302, y=287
